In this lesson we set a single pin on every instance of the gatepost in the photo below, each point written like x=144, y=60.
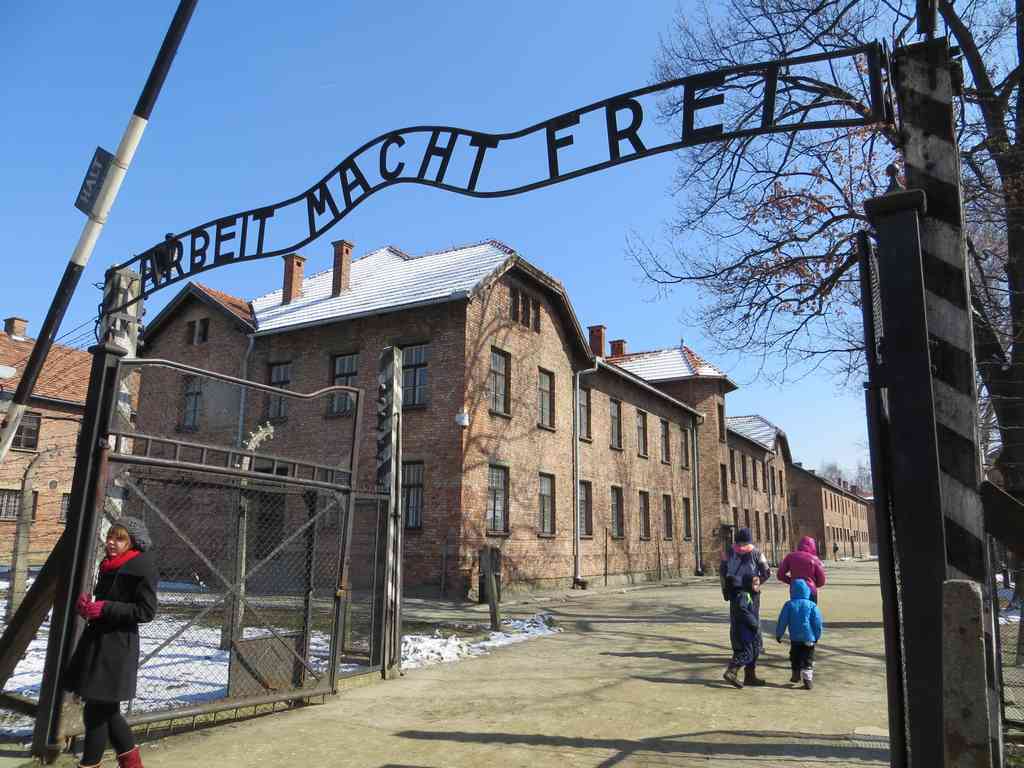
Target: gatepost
x=922, y=409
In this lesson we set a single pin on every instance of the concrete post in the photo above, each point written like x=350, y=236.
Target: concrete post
x=965, y=707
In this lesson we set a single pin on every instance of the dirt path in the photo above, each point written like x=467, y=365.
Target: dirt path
x=635, y=679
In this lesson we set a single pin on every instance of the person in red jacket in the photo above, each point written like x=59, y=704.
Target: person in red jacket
x=804, y=564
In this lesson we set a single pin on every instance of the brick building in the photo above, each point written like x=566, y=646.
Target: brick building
x=44, y=445
x=493, y=353
x=758, y=453
x=834, y=514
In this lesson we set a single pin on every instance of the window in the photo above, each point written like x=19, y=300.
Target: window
x=584, y=415
x=685, y=449
x=746, y=518
x=645, y=515
x=721, y=423
x=687, y=520
x=736, y=518
x=545, y=398
x=666, y=446
x=725, y=482
x=344, y=369
x=732, y=466
x=524, y=310
x=412, y=493
x=498, y=381
x=764, y=476
x=27, y=435
x=546, y=503
x=780, y=482
x=753, y=472
x=666, y=514
x=586, y=508
x=743, y=470
x=615, y=418
x=641, y=433
x=193, y=403
x=513, y=302
x=280, y=376
x=197, y=331
x=767, y=526
x=65, y=502
x=10, y=502
x=618, y=514
x=414, y=375
x=497, y=499
x=536, y=316
x=757, y=525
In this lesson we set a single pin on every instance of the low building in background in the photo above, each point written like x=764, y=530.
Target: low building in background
x=43, y=452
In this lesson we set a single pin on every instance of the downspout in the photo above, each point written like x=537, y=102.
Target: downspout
x=771, y=509
x=577, y=577
x=244, y=374
x=698, y=550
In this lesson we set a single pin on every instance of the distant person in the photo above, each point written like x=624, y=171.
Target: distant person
x=835, y=550
x=804, y=564
x=803, y=620
x=103, y=670
x=745, y=632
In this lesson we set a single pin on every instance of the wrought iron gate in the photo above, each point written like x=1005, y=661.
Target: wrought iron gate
x=268, y=566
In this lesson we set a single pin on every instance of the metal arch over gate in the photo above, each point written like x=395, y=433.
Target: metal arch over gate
x=457, y=159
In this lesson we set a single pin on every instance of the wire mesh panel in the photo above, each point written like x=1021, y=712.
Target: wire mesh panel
x=1011, y=644
x=266, y=562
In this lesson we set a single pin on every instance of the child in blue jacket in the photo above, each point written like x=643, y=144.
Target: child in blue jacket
x=803, y=619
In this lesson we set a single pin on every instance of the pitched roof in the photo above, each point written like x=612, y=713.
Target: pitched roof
x=65, y=373
x=669, y=365
x=755, y=428
x=385, y=280
x=240, y=308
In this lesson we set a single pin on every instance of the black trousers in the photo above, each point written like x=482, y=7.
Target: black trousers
x=801, y=656
x=104, y=722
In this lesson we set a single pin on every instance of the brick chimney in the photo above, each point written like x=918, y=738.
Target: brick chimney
x=292, y=288
x=597, y=339
x=618, y=347
x=341, y=277
x=15, y=326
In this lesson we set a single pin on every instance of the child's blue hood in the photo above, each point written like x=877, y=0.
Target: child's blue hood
x=799, y=590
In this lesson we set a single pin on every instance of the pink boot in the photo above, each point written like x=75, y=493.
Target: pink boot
x=130, y=759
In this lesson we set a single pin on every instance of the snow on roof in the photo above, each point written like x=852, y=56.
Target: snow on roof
x=384, y=280
x=755, y=428
x=668, y=364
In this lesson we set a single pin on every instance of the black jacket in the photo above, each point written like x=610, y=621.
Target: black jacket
x=744, y=620
x=105, y=665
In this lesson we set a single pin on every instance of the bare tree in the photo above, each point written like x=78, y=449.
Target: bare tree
x=766, y=226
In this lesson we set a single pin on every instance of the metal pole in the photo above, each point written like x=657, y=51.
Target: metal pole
x=94, y=225
x=881, y=465
x=72, y=578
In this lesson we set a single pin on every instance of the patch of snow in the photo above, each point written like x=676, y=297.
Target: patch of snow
x=425, y=650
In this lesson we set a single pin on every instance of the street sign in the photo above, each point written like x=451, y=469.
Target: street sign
x=93, y=181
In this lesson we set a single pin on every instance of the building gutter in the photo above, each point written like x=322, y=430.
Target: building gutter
x=577, y=577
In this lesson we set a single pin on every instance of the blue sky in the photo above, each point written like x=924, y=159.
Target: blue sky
x=264, y=99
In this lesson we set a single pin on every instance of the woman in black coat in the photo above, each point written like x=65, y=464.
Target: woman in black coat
x=104, y=667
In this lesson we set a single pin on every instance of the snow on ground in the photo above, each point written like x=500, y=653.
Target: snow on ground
x=424, y=650
x=193, y=668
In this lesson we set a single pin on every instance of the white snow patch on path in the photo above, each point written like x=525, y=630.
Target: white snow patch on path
x=425, y=650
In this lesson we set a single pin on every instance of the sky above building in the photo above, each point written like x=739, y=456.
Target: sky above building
x=265, y=99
